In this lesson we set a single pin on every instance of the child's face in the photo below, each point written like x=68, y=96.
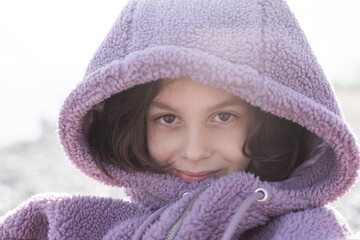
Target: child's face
x=198, y=128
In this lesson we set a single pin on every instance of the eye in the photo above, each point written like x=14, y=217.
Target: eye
x=223, y=117
x=167, y=119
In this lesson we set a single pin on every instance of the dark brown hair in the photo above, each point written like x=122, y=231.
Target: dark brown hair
x=275, y=146
x=118, y=133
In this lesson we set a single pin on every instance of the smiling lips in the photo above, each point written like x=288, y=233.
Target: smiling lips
x=195, y=176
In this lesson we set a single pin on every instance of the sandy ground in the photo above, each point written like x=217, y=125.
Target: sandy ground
x=41, y=166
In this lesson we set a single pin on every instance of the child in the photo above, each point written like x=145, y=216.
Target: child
x=218, y=121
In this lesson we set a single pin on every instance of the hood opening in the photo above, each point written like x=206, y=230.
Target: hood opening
x=328, y=177
x=316, y=151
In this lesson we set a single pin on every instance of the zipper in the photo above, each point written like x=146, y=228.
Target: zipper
x=175, y=228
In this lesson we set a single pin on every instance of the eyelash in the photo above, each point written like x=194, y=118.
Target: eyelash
x=162, y=122
x=231, y=119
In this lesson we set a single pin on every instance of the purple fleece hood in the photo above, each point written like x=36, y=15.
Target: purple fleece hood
x=253, y=49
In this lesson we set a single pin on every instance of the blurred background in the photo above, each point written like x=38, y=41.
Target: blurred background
x=45, y=47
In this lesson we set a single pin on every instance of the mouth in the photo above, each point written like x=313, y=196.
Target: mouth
x=190, y=177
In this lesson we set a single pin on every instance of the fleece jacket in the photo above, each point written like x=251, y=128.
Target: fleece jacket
x=254, y=49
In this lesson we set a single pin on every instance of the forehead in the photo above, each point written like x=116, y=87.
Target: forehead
x=185, y=94
x=185, y=87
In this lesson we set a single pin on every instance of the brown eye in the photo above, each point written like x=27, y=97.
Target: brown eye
x=169, y=118
x=224, y=116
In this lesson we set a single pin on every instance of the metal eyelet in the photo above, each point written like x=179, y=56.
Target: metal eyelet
x=185, y=194
x=266, y=195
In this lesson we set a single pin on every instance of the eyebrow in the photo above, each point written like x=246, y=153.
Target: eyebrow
x=226, y=103
x=229, y=102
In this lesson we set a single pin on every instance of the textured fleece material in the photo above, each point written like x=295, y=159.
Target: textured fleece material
x=253, y=49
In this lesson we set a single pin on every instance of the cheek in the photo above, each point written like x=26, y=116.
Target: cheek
x=159, y=146
x=234, y=157
x=230, y=146
x=231, y=138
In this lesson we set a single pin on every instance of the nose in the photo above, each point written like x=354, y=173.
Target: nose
x=195, y=144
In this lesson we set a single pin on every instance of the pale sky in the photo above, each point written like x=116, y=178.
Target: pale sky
x=45, y=46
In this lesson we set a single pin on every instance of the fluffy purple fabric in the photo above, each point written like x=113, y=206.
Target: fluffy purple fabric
x=254, y=49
